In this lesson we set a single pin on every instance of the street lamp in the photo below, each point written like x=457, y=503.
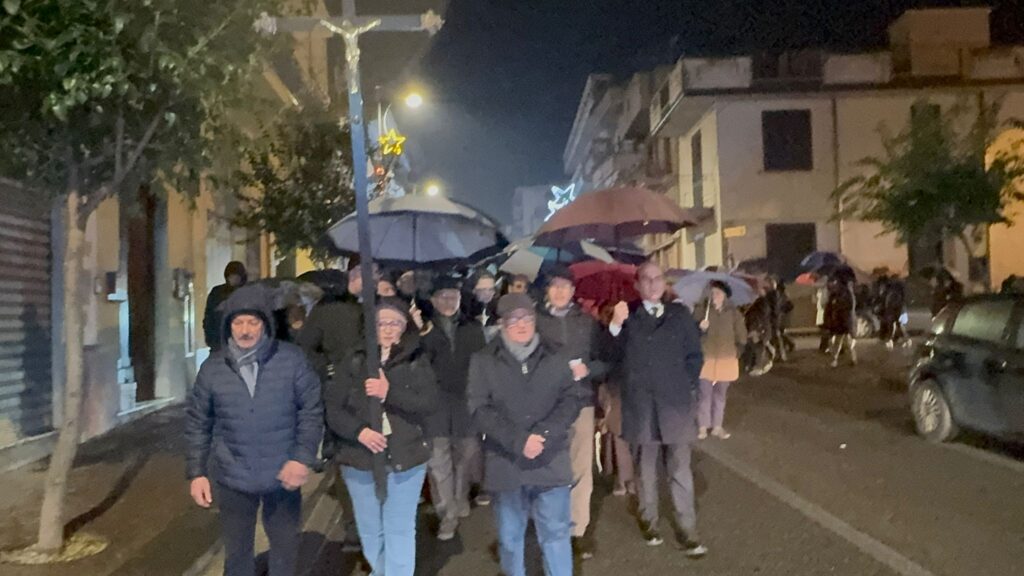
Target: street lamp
x=414, y=100
x=433, y=190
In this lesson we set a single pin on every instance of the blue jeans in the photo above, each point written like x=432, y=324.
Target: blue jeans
x=387, y=530
x=550, y=509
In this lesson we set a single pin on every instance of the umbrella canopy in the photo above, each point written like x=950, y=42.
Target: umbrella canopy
x=421, y=231
x=754, y=266
x=816, y=260
x=602, y=282
x=614, y=214
x=693, y=287
x=525, y=257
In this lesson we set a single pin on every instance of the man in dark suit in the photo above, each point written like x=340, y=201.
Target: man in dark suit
x=661, y=352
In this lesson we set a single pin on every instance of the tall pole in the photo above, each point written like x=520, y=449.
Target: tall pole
x=357, y=132
x=350, y=27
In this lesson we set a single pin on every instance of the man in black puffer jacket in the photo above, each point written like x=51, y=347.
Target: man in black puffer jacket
x=256, y=407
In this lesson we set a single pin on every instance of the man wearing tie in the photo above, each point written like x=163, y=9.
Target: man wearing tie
x=661, y=352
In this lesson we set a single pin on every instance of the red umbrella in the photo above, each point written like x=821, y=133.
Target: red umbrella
x=614, y=214
x=603, y=282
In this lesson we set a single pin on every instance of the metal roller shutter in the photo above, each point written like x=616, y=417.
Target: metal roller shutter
x=26, y=389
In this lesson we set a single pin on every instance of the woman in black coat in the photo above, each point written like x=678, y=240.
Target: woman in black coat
x=406, y=388
x=839, y=319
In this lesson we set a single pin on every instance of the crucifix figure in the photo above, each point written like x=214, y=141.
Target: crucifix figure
x=350, y=27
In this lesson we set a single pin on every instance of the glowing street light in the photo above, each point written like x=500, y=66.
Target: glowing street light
x=414, y=100
x=433, y=190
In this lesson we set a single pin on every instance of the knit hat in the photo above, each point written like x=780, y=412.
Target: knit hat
x=509, y=303
x=394, y=303
x=446, y=283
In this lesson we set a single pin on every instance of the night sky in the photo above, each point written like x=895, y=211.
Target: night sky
x=505, y=76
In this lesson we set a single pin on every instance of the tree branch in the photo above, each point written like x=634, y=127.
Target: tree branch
x=139, y=148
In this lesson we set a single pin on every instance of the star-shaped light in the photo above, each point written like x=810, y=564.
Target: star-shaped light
x=391, y=143
x=562, y=198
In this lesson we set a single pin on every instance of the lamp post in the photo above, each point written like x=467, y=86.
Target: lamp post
x=350, y=27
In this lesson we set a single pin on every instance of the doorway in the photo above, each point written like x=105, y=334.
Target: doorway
x=786, y=245
x=142, y=292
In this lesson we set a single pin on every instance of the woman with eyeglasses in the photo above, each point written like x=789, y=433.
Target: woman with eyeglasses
x=406, y=388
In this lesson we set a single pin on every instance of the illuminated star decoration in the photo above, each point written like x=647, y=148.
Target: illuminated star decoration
x=562, y=198
x=391, y=143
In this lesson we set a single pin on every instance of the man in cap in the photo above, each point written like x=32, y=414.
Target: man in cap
x=661, y=352
x=565, y=327
x=449, y=341
x=523, y=399
x=256, y=407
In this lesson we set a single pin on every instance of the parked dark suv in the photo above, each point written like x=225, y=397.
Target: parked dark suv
x=971, y=371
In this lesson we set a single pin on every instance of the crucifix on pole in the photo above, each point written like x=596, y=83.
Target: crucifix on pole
x=350, y=27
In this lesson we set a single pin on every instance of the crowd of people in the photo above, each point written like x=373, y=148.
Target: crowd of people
x=484, y=390
x=484, y=399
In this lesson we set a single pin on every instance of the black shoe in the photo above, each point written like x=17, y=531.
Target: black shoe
x=651, y=535
x=582, y=548
x=692, y=548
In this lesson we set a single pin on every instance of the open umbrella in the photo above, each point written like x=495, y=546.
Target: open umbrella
x=821, y=258
x=602, y=282
x=421, y=231
x=693, y=287
x=525, y=257
x=614, y=214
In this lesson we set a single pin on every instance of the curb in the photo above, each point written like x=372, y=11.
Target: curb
x=318, y=519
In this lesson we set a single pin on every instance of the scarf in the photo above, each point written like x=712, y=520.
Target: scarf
x=521, y=351
x=447, y=325
x=247, y=361
x=559, y=312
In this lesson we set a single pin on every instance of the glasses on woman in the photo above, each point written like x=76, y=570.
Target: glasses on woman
x=396, y=324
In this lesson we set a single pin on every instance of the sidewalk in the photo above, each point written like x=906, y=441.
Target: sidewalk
x=127, y=486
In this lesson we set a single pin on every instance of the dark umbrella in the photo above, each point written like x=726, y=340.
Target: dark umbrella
x=420, y=231
x=818, y=259
x=612, y=215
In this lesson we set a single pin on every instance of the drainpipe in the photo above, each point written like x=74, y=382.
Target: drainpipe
x=835, y=167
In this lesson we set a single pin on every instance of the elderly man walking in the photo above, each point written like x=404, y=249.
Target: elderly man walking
x=449, y=341
x=567, y=329
x=661, y=349
x=523, y=399
x=256, y=407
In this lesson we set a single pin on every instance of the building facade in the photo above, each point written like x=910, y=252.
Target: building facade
x=148, y=267
x=765, y=139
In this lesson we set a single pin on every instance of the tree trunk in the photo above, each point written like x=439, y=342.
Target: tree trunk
x=51, y=517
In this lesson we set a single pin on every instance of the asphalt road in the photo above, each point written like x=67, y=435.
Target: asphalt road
x=823, y=475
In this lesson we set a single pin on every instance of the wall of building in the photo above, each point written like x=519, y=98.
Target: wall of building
x=753, y=197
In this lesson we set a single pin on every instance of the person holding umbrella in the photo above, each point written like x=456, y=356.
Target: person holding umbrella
x=723, y=336
x=406, y=388
x=566, y=328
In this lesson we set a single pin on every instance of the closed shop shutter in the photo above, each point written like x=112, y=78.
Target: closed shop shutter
x=26, y=390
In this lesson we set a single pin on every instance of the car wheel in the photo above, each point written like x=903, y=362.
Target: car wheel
x=932, y=416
